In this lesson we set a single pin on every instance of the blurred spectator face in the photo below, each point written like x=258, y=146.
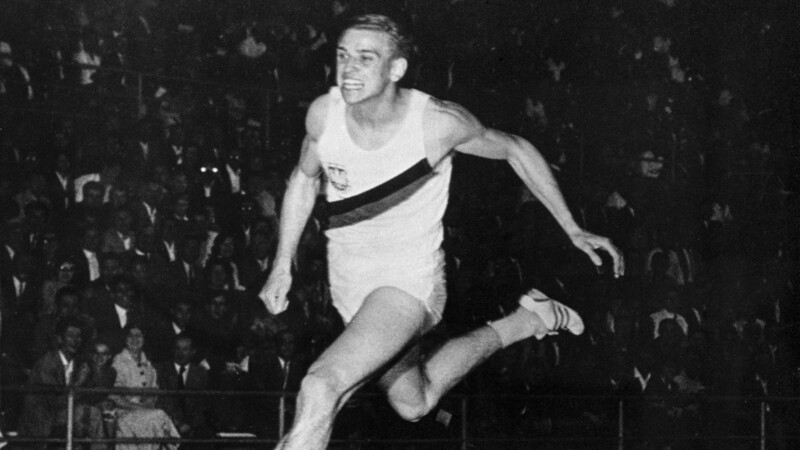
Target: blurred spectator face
x=93, y=195
x=110, y=268
x=146, y=239
x=218, y=307
x=286, y=345
x=177, y=136
x=179, y=183
x=50, y=244
x=140, y=272
x=725, y=98
x=70, y=341
x=134, y=341
x=649, y=165
x=235, y=159
x=91, y=239
x=123, y=221
x=161, y=174
x=190, y=250
x=248, y=211
x=152, y=193
x=184, y=350
x=217, y=276
x=227, y=247
x=63, y=164
x=101, y=355
x=181, y=206
x=182, y=314
x=24, y=264
x=68, y=305
x=123, y=294
x=31, y=160
x=261, y=245
x=119, y=197
x=66, y=272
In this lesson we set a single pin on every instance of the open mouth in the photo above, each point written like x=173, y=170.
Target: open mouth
x=351, y=85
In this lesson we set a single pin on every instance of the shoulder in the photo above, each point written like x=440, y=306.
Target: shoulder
x=317, y=114
x=451, y=123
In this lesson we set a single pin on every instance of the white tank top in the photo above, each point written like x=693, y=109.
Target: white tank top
x=387, y=200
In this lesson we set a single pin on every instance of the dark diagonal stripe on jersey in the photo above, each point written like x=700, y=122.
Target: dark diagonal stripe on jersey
x=379, y=199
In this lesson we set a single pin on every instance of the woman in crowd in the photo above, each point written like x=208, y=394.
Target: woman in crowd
x=137, y=415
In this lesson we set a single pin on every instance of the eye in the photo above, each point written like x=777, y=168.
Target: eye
x=203, y=170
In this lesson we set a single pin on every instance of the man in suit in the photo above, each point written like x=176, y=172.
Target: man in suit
x=60, y=185
x=19, y=293
x=185, y=273
x=87, y=257
x=124, y=307
x=146, y=212
x=45, y=415
x=181, y=372
x=120, y=237
x=255, y=268
x=145, y=150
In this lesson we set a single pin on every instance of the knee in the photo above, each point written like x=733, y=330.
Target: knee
x=323, y=386
x=409, y=410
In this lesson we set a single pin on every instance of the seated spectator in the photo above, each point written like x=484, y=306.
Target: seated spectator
x=119, y=307
x=182, y=372
x=67, y=306
x=670, y=302
x=138, y=415
x=226, y=249
x=45, y=415
x=120, y=237
x=63, y=278
x=95, y=412
x=89, y=207
x=19, y=293
x=220, y=330
x=87, y=257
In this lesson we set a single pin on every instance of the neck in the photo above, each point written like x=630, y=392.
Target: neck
x=380, y=110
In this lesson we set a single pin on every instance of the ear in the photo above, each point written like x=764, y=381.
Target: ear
x=398, y=69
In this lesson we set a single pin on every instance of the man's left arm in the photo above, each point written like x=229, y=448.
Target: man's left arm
x=460, y=130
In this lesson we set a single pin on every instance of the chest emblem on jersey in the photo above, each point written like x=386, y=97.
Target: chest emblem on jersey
x=338, y=176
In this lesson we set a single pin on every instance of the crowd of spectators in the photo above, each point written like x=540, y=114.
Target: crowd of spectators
x=144, y=147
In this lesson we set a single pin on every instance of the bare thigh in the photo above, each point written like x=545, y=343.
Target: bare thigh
x=388, y=321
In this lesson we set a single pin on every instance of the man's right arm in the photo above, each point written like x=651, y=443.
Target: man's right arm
x=298, y=202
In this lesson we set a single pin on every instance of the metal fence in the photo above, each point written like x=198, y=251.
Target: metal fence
x=621, y=432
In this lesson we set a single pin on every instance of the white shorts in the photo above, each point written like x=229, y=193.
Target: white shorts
x=354, y=276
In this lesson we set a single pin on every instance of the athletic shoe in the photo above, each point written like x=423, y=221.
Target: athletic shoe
x=555, y=315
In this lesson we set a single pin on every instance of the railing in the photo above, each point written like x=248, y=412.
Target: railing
x=616, y=434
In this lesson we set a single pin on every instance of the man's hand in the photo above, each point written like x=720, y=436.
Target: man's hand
x=589, y=243
x=273, y=294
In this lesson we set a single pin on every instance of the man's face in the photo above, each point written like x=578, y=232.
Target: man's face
x=63, y=163
x=184, y=351
x=68, y=306
x=365, y=64
x=93, y=197
x=649, y=165
x=91, y=239
x=182, y=314
x=218, y=307
x=71, y=341
x=123, y=295
x=123, y=221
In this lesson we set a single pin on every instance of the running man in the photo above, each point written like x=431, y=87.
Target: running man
x=385, y=156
